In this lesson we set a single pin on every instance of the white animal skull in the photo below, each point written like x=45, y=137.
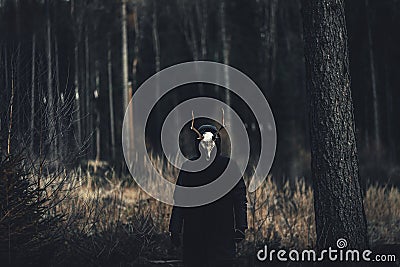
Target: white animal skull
x=208, y=144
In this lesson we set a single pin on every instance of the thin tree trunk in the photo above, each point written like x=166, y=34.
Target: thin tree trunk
x=96, y=95
x=6, y=66
x=50, y=102
x=126, y=86
x=33, y=77
x=88, y=110
x=58, y=101
x=77, y=112
x=77, y=94
x=202, y=16
x=389, y=114
x=272, y=42
x=11, y=108
x=124, y=32
x=157, y=57
x=110, y=97
x=226, y=46
x=267, y=17
x=373, y=83
x=156, y=38
x=338, y=201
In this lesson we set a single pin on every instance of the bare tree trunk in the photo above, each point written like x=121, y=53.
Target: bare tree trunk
x=389, y=113
x=156, y=38
x=126, y=86
x=76, y=77
x=11, y=108
x=226, y=47
x=77, y=94
x=202, y=17
x=124, y=32
x=272, y=42
x=157, y=57
x=6, y=66
x=58, y=101
x=373, y=83
x=110, y=97
x=267, y=17
x=33, y=77
x=96, y=95
x=88, y=94
x=338, y=201
x=50, y=102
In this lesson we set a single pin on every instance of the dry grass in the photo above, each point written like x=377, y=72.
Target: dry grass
x=109, y=220
x=280, y=217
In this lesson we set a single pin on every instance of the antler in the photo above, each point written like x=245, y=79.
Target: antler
x=200, y=136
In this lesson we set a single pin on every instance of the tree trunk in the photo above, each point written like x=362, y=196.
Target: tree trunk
x=58, y=99
x=33, y=92
x=50, y=101
x=96, y=96
x=157, y=55
x=202, y=17
x=77, y=112
x=338, y=201
x=110, y=98
x=373, y=82
x=267, y=16
x=11, y=108
x=124, y=32
x=88, y=95
x=225, y=57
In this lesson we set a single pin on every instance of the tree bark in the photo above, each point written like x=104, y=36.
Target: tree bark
x=88, y=91
x=97, y=123
x=124, y=32
x=33, y=77
x=76, y=75
x=226, y=48
x=267, y=27
x=11, y=108
x=110, y=97
x=373, y=82
x=338, y=201
x=157, y=54
x=50, y=101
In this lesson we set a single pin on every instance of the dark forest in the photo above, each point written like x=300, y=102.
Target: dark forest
x=68, y=69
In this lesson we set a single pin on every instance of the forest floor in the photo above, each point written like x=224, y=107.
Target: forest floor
x=279, y=216
x=105, y=220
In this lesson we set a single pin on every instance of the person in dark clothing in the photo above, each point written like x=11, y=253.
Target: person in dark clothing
x=210, y=231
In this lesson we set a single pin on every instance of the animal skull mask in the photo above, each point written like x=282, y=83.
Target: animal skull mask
x=208, y=135
x=208, y=144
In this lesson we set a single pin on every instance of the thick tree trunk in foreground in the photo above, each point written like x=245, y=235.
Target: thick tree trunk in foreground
x=338, y=201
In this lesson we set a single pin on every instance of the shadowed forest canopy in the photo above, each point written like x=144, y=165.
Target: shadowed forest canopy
x=68, y=67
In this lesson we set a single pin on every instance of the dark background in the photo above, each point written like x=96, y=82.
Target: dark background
x=264, y=40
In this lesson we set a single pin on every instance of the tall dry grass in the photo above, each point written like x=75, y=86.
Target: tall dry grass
x=280, y=216
x=108, y=220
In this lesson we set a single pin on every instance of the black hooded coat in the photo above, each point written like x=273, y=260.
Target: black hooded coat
x=208, y=230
